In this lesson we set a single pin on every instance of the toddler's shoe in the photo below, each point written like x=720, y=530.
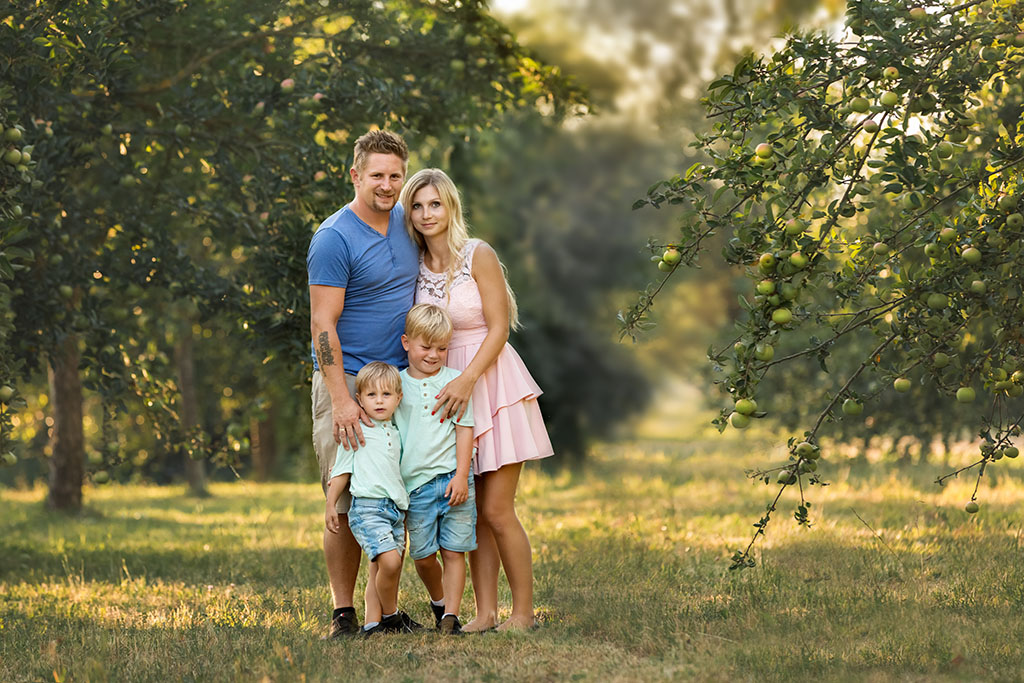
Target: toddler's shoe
x=410, y=625
x=450, y=625
x=393, y=624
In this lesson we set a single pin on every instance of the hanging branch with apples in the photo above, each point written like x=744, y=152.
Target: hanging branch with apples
x=870, y=186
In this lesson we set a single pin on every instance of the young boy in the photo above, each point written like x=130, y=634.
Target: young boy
x=379, y=498
x=436, y=455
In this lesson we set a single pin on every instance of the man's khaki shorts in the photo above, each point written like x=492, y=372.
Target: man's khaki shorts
x=324, y=445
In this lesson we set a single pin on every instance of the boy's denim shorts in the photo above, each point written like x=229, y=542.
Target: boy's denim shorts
x=434, y=524
x=378, y=525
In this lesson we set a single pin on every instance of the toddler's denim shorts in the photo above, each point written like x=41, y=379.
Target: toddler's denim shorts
x=378, y=525
x=434, y=524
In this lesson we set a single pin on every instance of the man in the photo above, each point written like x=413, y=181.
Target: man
x=362, y=269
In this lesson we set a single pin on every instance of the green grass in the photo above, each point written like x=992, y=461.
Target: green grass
x=631, y=559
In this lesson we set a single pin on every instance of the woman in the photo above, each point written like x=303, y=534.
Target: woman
x=464, y=276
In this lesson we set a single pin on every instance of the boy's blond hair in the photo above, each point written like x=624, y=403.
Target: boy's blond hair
x=379, y=375
x=429, y=322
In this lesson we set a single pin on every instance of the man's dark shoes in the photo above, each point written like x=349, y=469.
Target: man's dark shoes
x=392, y=624
x=343, y=625
x=438, y=611
x=450, y=625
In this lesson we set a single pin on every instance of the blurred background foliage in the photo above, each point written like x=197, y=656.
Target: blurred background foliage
x=549, y=181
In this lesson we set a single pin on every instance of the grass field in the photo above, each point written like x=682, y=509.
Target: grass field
x=631, y=559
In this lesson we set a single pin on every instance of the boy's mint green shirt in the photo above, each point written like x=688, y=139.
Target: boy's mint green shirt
x=428, y=445
x=375, y=467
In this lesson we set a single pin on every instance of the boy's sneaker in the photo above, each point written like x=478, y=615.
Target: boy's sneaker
x=343, y=626
x=409, y=624
x=450, y=625
x=438, y=611
x=393, y=624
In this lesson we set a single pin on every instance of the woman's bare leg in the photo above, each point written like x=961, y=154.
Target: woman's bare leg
x=484, y=563
x=499, y=512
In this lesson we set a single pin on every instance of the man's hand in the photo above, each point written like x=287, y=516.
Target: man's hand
x=458, y=491
x=331, y=519
x=454, y=397
x=347, y=430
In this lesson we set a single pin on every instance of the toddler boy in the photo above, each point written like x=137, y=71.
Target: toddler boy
x=379, y=498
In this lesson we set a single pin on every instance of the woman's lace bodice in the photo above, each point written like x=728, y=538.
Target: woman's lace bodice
x=460, y=298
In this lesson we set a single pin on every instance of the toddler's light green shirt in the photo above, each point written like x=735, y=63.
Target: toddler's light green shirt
x=428, y=445
x=375, y=467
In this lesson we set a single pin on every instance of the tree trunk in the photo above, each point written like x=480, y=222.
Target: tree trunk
x=68, y=442
x=195, y=470
x=263, y=442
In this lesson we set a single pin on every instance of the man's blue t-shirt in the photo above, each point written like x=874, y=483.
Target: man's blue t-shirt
x=378, y=273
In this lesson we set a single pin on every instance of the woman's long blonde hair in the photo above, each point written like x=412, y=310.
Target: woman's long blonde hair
x=458, y=233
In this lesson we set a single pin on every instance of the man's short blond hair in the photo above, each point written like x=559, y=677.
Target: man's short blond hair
x=379, y=375
x=429, y=322
x=379, y=142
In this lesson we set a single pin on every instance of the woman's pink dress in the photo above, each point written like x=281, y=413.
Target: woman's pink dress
x=508, y=426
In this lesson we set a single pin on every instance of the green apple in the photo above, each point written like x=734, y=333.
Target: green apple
x=889, y=99
x=795, y=227
x=957, y=135
x=6, y=393
x=852, y=407
x=918, y=13
x=901, y=384
x=739, y=420
x=978, y=287
x=965, y=395
x=66, y=291
x=805, y=449
x=12, y=134
x=947, y=235
x=182, y=130
x=787, y=477
x=782, y=316
x=765, y=287
x=932, y=250
x=971, y=256
x=766, y=263
x=944, y=150
x=1011, y=451
x=971, y=507
x=1007, y=202
x=940, y=360
x=764, y=150
x=12, y=157
x=891, y=73
x=1015, y=390
x=100, y=477
x=937, y=301
x=860, y=104
x=788, y=291
x=775, y=300
x=1015, y=221
x=672, y=256
x=664, y=266
x=746, y=406
x=808, y=465
x=764, y=352
x=880, y=249
x=871, y=126
x=798, y=259
x=990, y=54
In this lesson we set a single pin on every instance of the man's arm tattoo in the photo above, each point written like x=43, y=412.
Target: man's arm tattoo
x=325, y=353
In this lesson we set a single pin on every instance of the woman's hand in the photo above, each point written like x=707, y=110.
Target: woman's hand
x=454, y=397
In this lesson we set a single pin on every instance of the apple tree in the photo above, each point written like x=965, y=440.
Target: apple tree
x=186, y=152
x=872, y=188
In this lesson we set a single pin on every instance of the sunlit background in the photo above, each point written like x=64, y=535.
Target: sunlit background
x=555, y=201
